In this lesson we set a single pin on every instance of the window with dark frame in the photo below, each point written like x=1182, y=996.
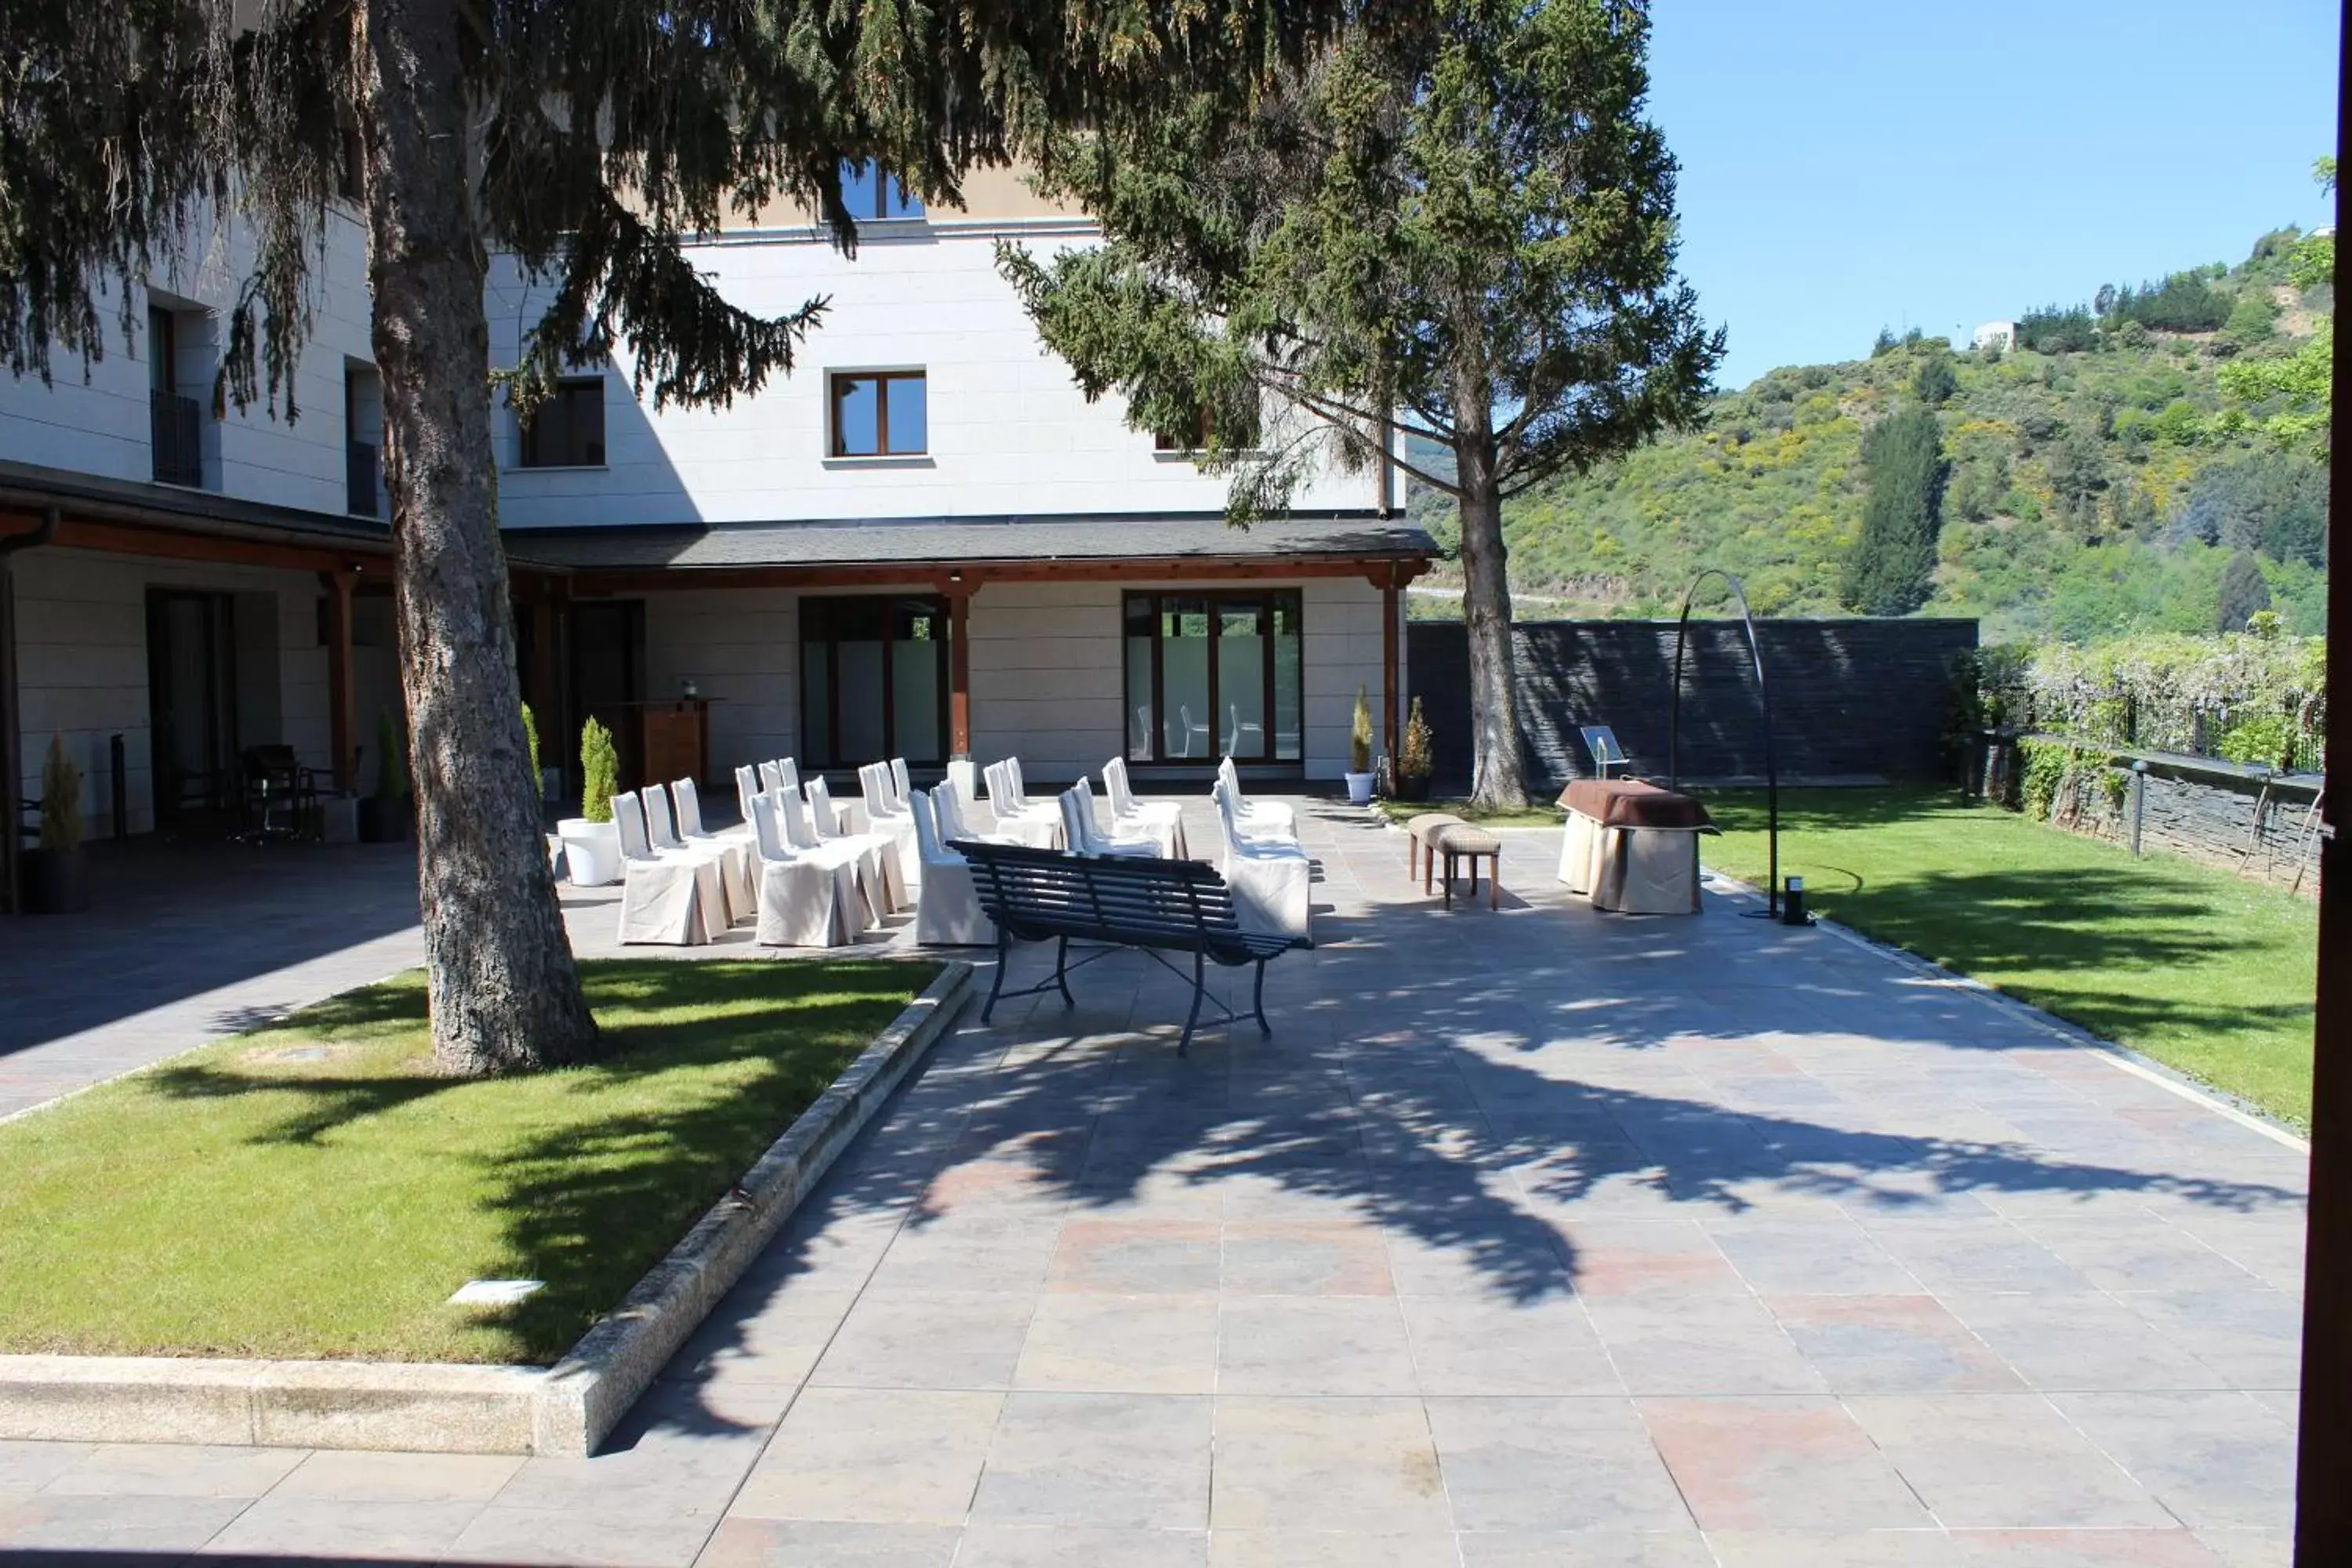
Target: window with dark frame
x=874, y=678
x=1191, y=440
x=871, y=195
x=1210, y=674
x=567, y=430
x=878, y=414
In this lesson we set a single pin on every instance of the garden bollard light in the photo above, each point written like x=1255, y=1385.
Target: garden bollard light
x=2138, y=802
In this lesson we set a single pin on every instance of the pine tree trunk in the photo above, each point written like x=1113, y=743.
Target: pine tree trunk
x=505, y=994
x=1498, y=776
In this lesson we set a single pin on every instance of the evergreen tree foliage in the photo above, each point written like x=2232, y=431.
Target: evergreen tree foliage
x=593, y=141
x=2244, y=592
x=1934, y=382
x=1892, y=568
x=1460, y=232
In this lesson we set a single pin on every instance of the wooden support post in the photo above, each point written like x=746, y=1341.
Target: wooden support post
x=12, y=750
x=2323, y=1522
x=1389, y=726
x=959, y=668
x=341, y=742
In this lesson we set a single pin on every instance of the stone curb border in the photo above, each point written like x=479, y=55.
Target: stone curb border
x=433, y=1407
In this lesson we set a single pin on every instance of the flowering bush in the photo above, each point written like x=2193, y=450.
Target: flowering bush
x=2255, y=697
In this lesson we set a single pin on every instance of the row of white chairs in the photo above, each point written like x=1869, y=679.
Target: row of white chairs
x=1270, y=873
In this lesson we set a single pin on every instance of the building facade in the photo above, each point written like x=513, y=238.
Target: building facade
x=924, y=543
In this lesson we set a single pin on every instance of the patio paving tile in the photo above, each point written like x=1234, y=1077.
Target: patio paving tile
x=344, y=1527
x=1525, y=1464
x=1890, y=1344
x=2215, y=1460
x=2084, y=1549
x=930, y=1339
x=1365, y=1466
x=1709, y=1346
x=398, y=1477
x=874, y=1455
x=172, y=1469
x=1583, y=1549
x=1999, y=1461
x=1136, y=1257
x=1122, y=1461
x=1262, y=1259
x=1061, y=1546
x=2080, y=1340
x=1779, y=1464
x=1914, y=1548
x=586, y=1538
x=115, y=1521
x=742, y=1543
x=1120, y=1344
x=1313, y=1345
x=1545, y=1346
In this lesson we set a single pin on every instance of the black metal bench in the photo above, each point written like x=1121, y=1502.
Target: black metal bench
x=1177, y=906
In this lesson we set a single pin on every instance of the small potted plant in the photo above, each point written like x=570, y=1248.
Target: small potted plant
x=1360, y=751
x=383, y=815
x=592, y=844
x=57, y=878
x=1416, y=758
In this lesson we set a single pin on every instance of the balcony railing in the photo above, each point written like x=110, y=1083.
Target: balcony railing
x=178, y=432
x=360, y=478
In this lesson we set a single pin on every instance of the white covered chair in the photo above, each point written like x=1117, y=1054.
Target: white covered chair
x=887, y=883
x=860, y=872
x=748, y=789
x=1272, y=879
x=947, y=911
x=1039, y=825
x=734, y=863
x=948, y=816
x=671, y=898
x=779, y=774
x=806, y=900
x=887, y=816
x=742, y=852
x=1162, y=821
x=1085, y=837
x=1254, y=818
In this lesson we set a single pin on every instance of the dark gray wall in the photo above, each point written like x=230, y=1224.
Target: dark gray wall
x=1850, y=699
x=2219, y=813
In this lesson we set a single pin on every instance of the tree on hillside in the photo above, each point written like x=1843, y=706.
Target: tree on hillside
x=2244, y=592
x=1892, y=567
x=1936, y=382
x=1463, y=232
x=592, y=140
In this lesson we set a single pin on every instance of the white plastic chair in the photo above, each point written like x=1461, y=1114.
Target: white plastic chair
x=1085, y=837
x=947, y=911
x=947, y=811
x=803, y=900
x=664, y=898
x=899, y=784
x=747, y=790
x=886, y=817
x=1238, y=727
x=1190, y=728
x=1161, y=820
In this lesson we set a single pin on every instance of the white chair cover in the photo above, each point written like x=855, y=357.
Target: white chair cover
x=885, y=884
x=747, y=790
x=1117, y=838
x=1162, y=821
x=1078, y=828
x=664, y=898
x=1039, y=826
x=804, y=901
x=741, y=856
x=1272, y=879
x=1256, y=819
x=734, y=876
x=900, y=786
x=947, y=812
x=947, y=911
x=860, y=872
x=772, y=777
x=885, y=816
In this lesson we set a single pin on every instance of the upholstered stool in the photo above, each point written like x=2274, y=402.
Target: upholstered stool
x=1461, y=842
x=1416, y=848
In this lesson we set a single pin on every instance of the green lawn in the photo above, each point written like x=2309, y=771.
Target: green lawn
x=1541, y=814
x=2197, y=967
x=312, y=1189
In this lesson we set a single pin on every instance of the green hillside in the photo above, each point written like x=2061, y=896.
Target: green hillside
x=2100, y=478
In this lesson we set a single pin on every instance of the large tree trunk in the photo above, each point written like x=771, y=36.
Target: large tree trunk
x=1498, y=777
x=505, y=994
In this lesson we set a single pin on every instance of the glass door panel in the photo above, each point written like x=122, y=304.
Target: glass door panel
x=918, y=646
x=1288, y=665
x=1242, y=673
x=1187, y=704
x=1140, y=678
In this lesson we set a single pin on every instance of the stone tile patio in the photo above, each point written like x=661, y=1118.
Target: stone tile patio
x=1537, y=1237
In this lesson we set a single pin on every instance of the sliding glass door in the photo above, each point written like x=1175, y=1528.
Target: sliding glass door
x=873, y=680
x=1211, y=675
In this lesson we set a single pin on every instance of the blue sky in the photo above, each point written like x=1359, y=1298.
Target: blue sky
x=1848, y=165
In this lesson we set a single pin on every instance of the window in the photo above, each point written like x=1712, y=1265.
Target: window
x=1211, y=675
x=880, y=413
x=176, y=423
x=873, y=680
x=869, y=194
x=568, y=429
x=1191, y=440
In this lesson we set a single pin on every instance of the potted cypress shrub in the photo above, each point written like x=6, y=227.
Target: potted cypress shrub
x=1360, y=751
x=1417, y=757
x=592, y=844
x=57, y=876
x=383, y=815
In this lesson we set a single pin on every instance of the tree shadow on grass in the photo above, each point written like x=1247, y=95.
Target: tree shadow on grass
x=596, y=1171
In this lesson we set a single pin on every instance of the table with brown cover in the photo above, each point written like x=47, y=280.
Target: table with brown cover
x=1632, y=847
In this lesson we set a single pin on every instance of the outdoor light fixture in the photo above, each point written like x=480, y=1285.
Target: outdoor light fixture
x=1792, y=904
x=687, y=687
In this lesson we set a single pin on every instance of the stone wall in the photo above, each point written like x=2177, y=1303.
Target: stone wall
x=1853, y=701
x=2221, y=814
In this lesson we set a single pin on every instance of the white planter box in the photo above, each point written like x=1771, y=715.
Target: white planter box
x=591, y=851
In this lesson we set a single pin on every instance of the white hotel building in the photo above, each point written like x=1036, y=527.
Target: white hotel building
x=924, y=543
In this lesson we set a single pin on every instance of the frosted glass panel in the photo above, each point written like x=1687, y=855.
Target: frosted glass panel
x=1287, y=740
x=915, y=693
x=1188, y=724
x=1241, y=681
x=816, y=701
